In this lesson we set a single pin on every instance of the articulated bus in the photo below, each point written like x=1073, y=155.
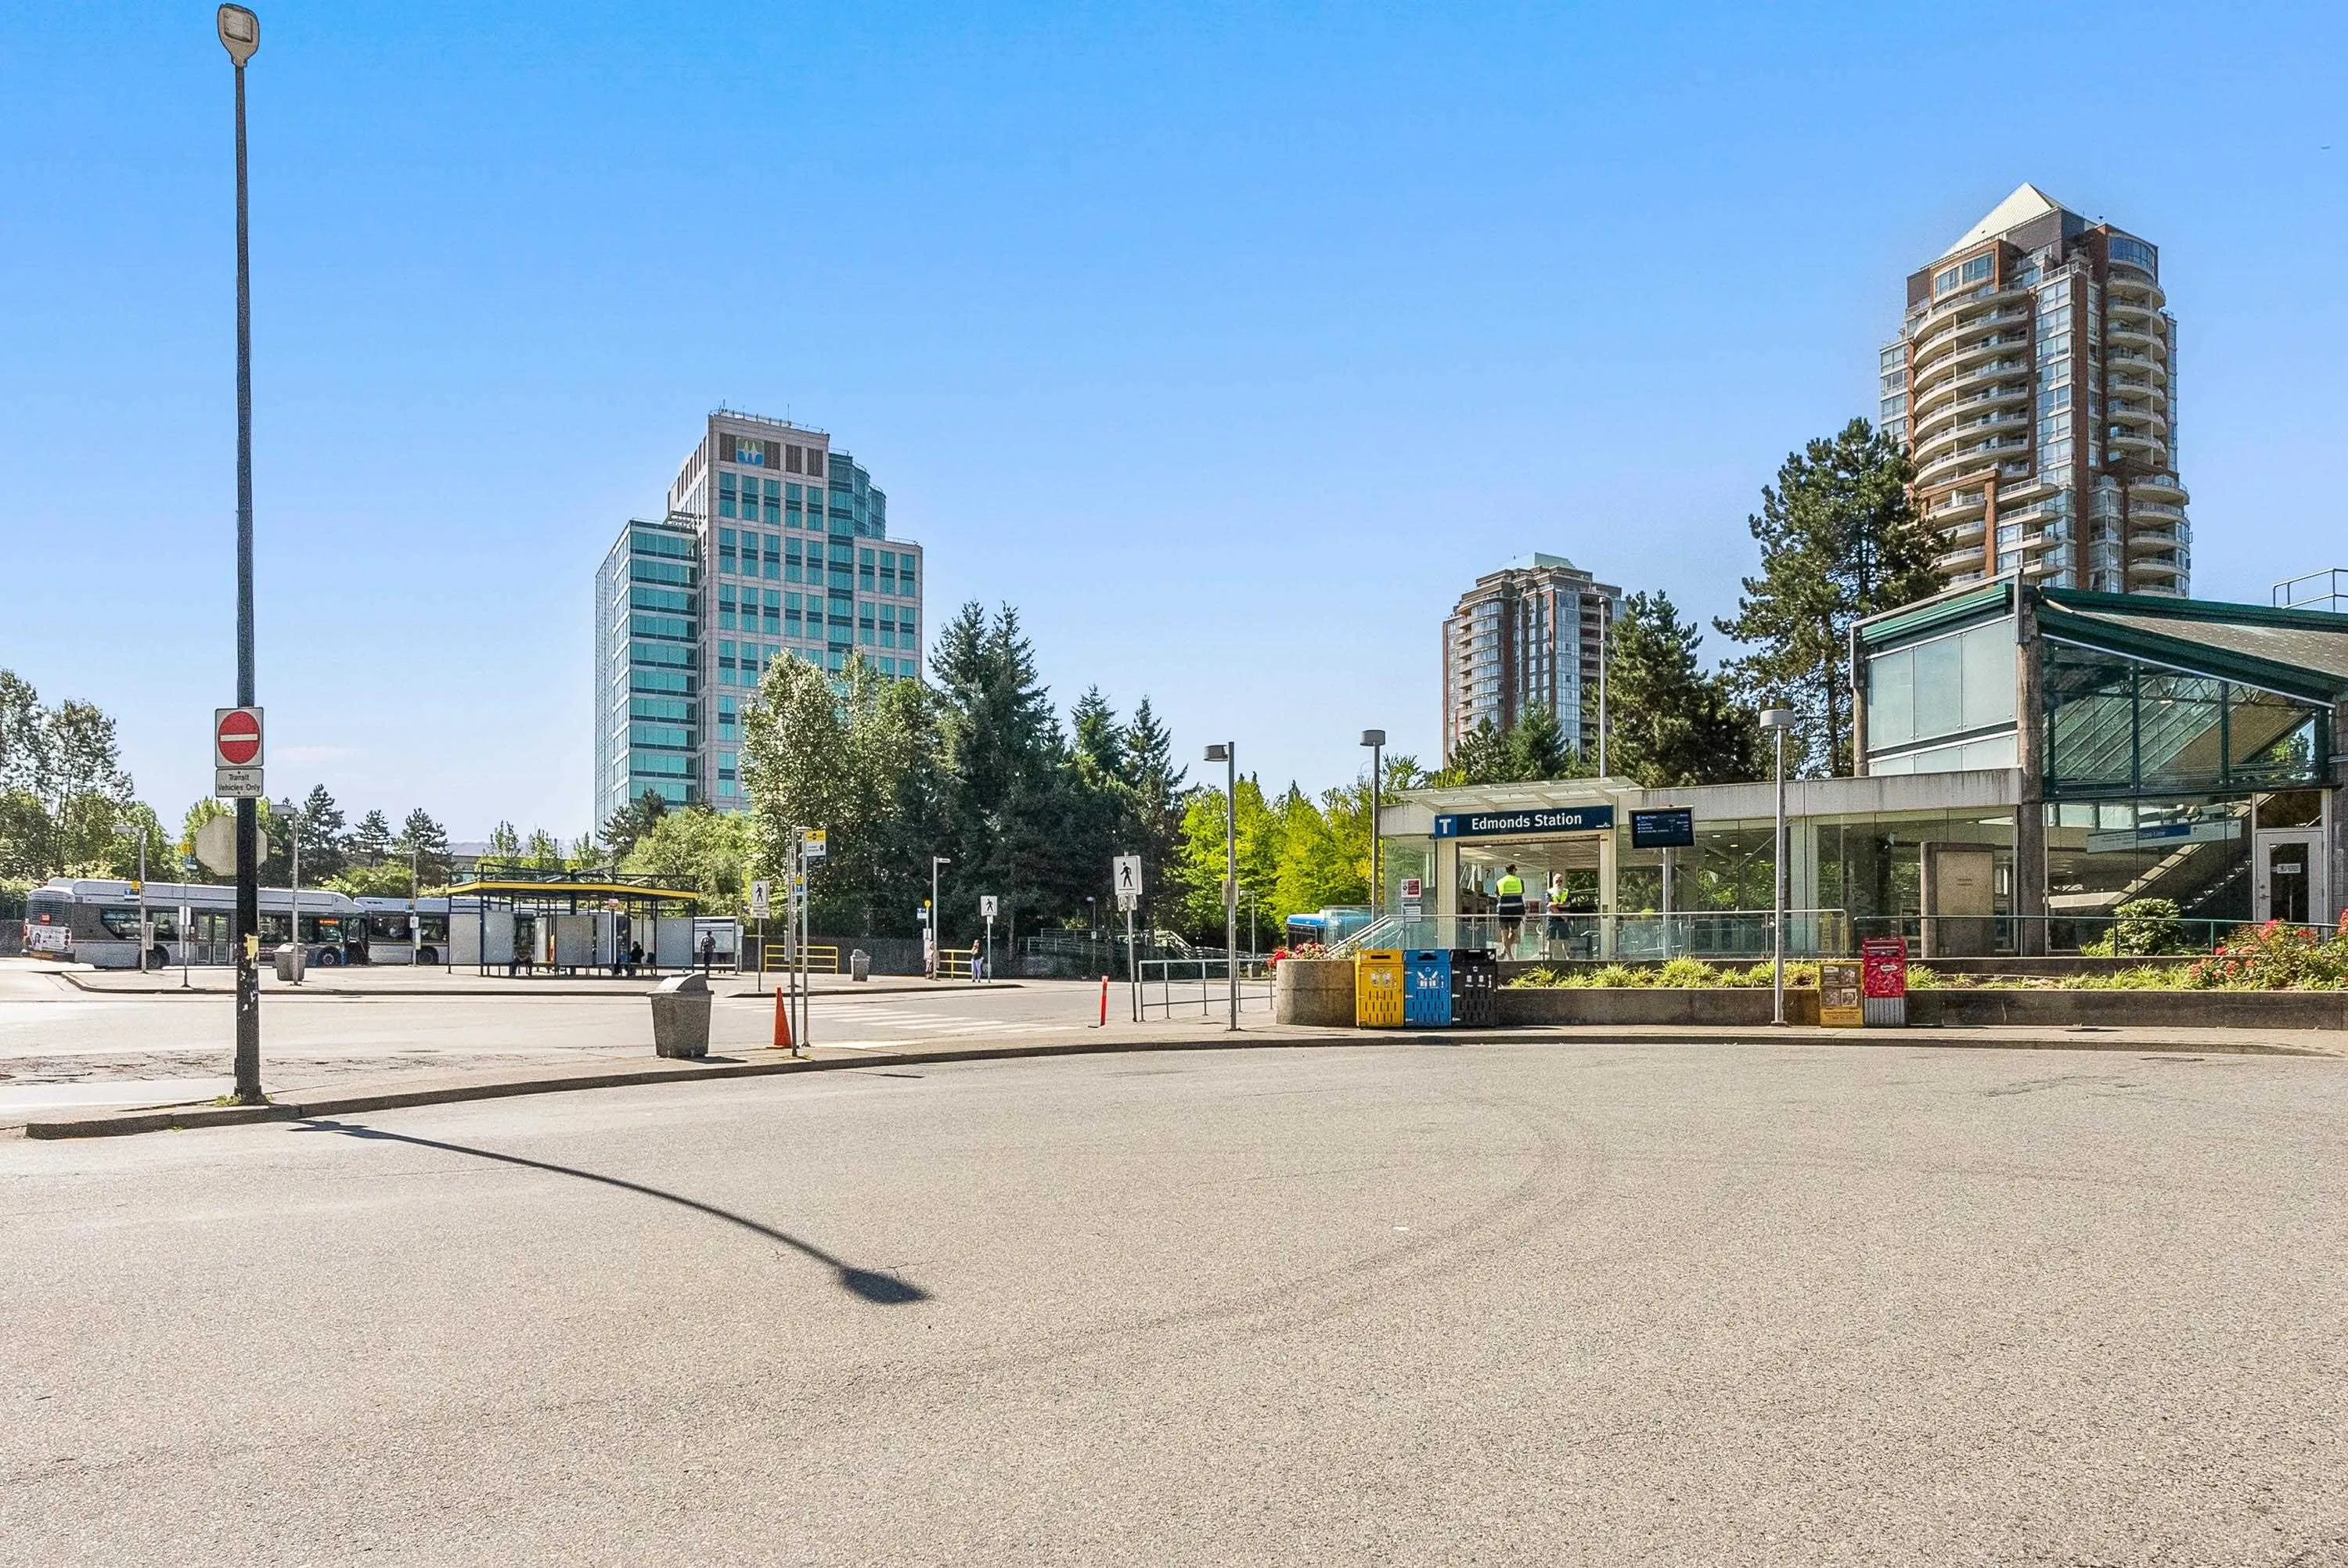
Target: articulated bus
x=92, y=921
x=391, y=940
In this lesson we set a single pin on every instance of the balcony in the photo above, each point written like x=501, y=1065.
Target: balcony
x=1955, y=356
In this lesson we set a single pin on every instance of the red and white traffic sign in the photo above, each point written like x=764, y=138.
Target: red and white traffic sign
x=236, y=753
x=236, y=737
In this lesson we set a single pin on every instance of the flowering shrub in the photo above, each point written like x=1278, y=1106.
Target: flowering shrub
x=2273, y=956
x=1301, y=950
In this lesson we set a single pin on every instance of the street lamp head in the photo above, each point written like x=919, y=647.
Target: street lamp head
x=240, y=33
x=1219, y=753
x=1777, y=718
x=1373, y=737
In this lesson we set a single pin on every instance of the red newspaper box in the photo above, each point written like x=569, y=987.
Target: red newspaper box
x=1883, y=976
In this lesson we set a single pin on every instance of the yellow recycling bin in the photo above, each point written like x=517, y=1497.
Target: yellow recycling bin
x=1377, y=988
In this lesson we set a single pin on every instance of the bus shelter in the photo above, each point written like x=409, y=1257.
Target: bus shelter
x=529, y=921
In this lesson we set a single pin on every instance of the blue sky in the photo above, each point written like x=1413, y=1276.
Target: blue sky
x=1227, y=343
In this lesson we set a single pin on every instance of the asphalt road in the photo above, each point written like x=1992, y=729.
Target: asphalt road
x=61, y=1047
x=1531, y=1304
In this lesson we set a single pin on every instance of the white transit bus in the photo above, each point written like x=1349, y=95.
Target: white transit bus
x=390, y=939
x=86, y=920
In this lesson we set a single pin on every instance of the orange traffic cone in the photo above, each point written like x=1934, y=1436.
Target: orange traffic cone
x=782, y=1023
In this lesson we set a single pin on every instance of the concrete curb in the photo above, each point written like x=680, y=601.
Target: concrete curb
x=184, y=1118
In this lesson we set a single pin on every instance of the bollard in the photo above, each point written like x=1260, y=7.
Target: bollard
x=1104, y=1018
x=782, y=1023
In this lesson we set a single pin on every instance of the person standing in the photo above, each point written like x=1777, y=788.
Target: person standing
x=1510, y=889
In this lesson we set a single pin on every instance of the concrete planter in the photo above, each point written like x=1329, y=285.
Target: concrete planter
x=1725, y=1007
x=1314, y=991
x=2173, y=1009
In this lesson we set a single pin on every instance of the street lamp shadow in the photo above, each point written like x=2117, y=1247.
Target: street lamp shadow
x=871, y=1284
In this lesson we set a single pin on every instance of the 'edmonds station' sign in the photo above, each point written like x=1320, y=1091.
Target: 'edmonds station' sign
x=1503, y=824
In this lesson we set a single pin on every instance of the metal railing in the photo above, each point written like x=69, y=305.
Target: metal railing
x=2065, y=935
x=823, y=957
x=1734, y=934
x=1171, y=985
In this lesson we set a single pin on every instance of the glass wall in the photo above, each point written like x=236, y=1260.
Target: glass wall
x=2101, y=855
x=1957, y=685
x=2121, y=726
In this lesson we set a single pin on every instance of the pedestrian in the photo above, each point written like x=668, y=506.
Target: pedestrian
x=1511, y=891
x=1556, y=912
x=708, y=951
x=635, y=958
x=977, y=964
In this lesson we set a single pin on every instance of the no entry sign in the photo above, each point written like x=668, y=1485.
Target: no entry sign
x=236, y=752
x=236, y=737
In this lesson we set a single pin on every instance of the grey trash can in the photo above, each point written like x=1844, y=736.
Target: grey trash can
x=680, y=1017
x=860, y=965
x=289, y=963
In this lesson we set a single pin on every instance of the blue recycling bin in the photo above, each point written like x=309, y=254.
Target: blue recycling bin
x=1426, y=988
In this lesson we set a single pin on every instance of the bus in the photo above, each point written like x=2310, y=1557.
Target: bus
x=391, y=940
x=96, y=921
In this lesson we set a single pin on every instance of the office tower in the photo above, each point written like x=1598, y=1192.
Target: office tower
x=1528, y=635
x=775, y=546
x=2034, y=385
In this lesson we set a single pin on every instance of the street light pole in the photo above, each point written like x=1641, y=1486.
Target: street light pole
x=1375, y=739
x=1226, y=753
x=1782, y=721
x=239, y=34
x=937, y=936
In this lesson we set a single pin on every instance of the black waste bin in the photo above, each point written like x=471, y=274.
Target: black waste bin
x=1475, y=987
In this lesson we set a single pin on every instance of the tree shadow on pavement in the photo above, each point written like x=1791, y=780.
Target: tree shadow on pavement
x=883, y=1289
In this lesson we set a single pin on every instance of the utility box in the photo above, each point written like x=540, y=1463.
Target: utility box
x=1427, y=987
x=680, y=1017
x=1841, y=994
x=1377, y=988
x=1475, y=988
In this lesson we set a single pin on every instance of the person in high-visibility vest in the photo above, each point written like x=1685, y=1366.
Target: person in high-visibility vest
x=1511, y=891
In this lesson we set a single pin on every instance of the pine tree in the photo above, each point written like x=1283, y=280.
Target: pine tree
x=1156, y=792
x=428, y=842
x=1671, y=723
x=325, y=847
x=1839, y=541
x=370, y=843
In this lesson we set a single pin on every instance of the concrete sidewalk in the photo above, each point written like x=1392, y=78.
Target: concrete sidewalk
x=404, y=980
x=414, y=1089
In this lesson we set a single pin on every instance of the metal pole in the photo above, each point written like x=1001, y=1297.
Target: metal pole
x=248, y=817
x=1777, y=906
x=144, y=941
x=294, y=919
x=1377, y=794
x=1132, y=971
x=1667, y=901
x=415, y=910
x=1232, y=877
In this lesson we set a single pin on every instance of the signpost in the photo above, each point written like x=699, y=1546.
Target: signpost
x=759, y=894
x=986, y=913
x=1124, y=876
x=1664, y=829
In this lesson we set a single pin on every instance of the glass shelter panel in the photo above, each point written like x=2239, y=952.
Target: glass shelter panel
x=2117, y=726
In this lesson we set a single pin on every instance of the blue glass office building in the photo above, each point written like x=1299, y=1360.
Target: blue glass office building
x=775, y=546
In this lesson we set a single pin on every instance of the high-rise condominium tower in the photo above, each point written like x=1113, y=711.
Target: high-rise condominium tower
x=775, y=546
x=2034, y=382
x=1527, y=636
